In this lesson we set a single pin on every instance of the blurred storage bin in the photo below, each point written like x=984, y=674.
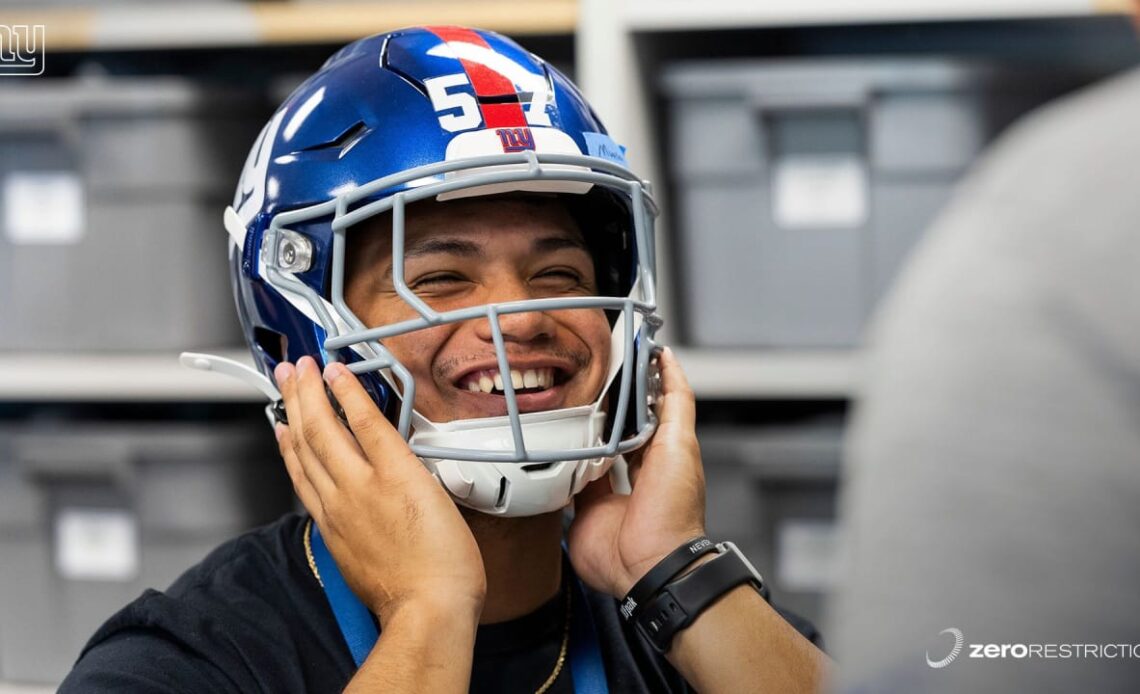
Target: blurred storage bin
x=801, y=185
x=92, y=515
x=772, y=491
x=111, y=193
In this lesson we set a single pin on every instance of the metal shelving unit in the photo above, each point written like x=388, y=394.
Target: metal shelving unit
x=722, y=375
x=617, y=72
x=610, y=71
x=656, y=15
x=144, y=377
x=153, y=26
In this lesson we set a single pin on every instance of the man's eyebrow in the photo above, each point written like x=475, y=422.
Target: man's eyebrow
x=429, y=246
x=549, y=244
x=432, y=246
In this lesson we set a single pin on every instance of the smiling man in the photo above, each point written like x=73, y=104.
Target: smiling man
x=476, y=252
x=446, y=268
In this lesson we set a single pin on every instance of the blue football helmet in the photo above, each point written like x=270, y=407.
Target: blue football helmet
x=435, y=113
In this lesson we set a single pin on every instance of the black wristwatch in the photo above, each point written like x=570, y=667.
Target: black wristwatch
x=663, y=572
x=679, y=603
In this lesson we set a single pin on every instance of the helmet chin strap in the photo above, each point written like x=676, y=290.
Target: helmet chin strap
x=480, y=485
x=570, y=427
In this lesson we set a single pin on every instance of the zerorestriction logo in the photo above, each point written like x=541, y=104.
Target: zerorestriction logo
x=959, y=641
x=1044, y=651
x=21, y=50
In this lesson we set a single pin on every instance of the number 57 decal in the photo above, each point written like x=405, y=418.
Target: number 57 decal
x=459, y=110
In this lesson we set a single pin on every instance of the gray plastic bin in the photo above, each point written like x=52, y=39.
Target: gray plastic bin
x=772, y=490
x=111, y=197
x=90, y=517
x=802, y=185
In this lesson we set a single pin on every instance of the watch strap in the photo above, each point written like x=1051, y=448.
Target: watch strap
x=663, y=572
x=679, y=603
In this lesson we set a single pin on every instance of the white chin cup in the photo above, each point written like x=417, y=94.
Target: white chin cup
x=514, y=488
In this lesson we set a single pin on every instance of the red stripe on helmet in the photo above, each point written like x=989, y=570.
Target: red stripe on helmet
x=487, y=82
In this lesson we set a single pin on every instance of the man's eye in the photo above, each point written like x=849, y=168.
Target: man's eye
x=436, y=280
x=560, y=273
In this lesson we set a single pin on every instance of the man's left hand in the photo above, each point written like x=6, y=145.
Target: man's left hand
x=616, y=539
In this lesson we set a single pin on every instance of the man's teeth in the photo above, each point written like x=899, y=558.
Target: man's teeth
x=490, y=381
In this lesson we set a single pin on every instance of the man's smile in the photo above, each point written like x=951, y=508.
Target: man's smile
x=539, y=384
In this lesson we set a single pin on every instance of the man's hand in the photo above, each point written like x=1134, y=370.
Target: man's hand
x=397, y=537
x=617, y=539
x=740, y=643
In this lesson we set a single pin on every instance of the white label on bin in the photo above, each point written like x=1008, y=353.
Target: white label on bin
x=43, y=207
x=806, y=554
x=811, y=191
x=96, y=544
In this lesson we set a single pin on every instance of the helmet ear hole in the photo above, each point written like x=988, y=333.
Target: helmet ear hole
x=273, y=344
x=381, y=393
x=604, y=220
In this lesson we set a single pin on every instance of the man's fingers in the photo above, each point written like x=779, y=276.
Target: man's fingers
x=678, y=405
x=671, y=460
x=372, y=430
x=286, y=377
x=301, y=483
x=329, y=441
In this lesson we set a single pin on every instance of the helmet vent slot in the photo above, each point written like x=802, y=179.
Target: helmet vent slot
x=274, y=344
x=344, y=141
x=501, y=499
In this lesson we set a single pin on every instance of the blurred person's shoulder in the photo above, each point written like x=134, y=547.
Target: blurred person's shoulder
x=1044, y=218
x=1084, y=142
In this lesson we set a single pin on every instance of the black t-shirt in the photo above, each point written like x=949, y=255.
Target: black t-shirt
x=251, y=617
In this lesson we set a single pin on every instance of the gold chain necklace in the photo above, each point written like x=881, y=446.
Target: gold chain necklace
x=565, y=627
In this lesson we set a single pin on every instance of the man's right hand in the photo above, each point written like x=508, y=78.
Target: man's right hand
x=396, y=535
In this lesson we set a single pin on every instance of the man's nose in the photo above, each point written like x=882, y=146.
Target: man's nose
x=517, y=327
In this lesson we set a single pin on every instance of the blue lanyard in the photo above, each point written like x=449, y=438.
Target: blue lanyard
x=355, y=622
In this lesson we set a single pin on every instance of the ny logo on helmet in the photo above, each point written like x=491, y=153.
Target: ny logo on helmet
x=516, y=139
